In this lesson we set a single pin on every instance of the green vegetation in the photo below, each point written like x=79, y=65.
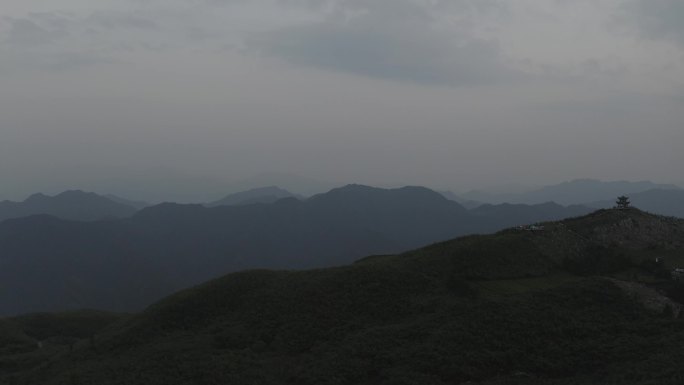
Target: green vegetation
x=30, y=340
x=516, y=307
x=77, y=324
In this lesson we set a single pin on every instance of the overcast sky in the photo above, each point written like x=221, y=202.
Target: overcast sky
x=183, y=97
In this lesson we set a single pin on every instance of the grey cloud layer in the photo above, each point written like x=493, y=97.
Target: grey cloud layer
x=659, y=19
x=119, y=20
x=431, y=42
x=66, y=41
x=24, y=32
x=468, y=92
x=400, y=40
x=37, y=43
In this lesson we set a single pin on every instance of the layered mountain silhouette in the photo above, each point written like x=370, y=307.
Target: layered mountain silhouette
x=125, y=264
x=507, y=215
x=566, y=305
x=268, y=194
x=467, y=203
x=291, y=182
x=657, y=201
x=136, y=204
x=579, y=191
x=74, y=205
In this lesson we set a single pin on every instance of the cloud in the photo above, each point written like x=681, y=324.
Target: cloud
x=69, y=61
x=658, y=19
x=24, y=32
x=399, y=40
x=119, y=20
x=63, y=40
x=51, y=60
x=45, y=42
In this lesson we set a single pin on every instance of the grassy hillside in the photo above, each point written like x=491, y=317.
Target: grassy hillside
x=28, y=341
x=522, y=307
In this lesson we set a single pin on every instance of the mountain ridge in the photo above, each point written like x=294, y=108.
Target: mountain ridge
x=512, y=298
x=658, y=201
x=70, y=205
x=577, y=191
x=268, y=194
x=178, y=245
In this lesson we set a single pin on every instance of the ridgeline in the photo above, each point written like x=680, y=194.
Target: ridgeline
x=586, y=300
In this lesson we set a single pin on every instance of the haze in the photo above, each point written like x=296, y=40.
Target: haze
x=170, y=99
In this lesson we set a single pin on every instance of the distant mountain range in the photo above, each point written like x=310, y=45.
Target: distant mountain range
x=579, y=191
x=663, y=202
x=78, y=205
x=508, y=215
x=268, y=194
x=125, y=264
x=138, y=205
x=467, y=203
x=81, y=249
x=74, y=205
x=296, y=184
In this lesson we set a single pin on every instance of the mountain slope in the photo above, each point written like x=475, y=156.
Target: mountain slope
x=51, y=265
x=496, y=309
x=125, y=264
x=138, y=205
x=268, y=194
x=469, y=204
x=71, y=205
x=657, y=201
x=508, y=215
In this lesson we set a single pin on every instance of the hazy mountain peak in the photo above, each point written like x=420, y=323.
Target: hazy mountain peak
x=72, y=204
x=170, y=207
x=68, y=195
x=79, y=195
x=128, y=202
x=267, y=194
x=267, y=189
x=355, y=187
x=294, y=183
x=406, y=190
x=170, y=213
x=37, y=197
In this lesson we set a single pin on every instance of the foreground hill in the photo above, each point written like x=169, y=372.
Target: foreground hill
x=124, y=265
x=566, y=305
x=71, y=205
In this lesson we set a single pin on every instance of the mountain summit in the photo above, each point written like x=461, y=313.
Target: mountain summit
x=268, y=194
x=72, y=205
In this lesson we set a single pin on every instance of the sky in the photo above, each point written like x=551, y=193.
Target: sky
x=184, y=99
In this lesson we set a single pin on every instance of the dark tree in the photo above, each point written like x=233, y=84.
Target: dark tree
x=622, y=202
